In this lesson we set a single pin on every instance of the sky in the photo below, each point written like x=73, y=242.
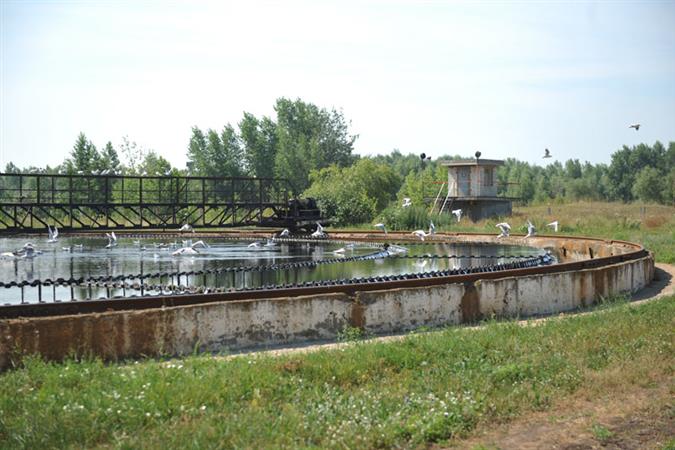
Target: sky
x=505, y=78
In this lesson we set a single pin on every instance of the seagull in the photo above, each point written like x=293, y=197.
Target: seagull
x=457, y=213
x=319, y=233
x=635, y=125
x=553, y=225
x=190, y=248
x=285, y=233
x=531, y=230
x=432, y=229
x=340, y=251
x=27, y=251
x=406, y=202
x=112, y=239
x=254, y=245
x=186, y=228
x=547, y=153
x=381, y=227
x=505, y=228
x=53, y=234
x=270, y=243
x=420, y=234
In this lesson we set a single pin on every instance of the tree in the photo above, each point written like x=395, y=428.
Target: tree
x=649, y=185
x=83, y=158
x=309, y=138
x=133, y=154
x=259, y=145
x=198, y=160
x=109, y=159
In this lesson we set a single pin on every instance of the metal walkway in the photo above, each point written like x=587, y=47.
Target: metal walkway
x=29, y=202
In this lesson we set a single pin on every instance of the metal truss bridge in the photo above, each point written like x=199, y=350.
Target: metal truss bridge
x=30, y=202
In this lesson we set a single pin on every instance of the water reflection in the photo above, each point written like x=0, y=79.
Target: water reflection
x=83, y=257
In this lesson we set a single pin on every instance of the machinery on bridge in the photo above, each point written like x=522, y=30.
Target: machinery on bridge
x=30, y=202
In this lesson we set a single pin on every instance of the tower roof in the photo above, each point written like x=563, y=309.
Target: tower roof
x=472, y=162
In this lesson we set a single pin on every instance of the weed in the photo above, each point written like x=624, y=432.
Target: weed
x=351, y=334
x=601, y=433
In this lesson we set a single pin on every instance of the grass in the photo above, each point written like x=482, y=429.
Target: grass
x=653, y=226
x=601, y=433
x=429, y=387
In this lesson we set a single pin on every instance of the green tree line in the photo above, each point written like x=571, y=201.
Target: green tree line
x=312, y=147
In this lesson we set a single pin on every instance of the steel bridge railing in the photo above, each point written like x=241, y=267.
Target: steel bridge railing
x=31, y=201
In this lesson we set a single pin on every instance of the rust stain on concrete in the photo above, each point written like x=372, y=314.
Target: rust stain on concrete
x=470, y=303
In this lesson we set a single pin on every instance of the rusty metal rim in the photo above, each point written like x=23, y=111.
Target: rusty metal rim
x=100, y=306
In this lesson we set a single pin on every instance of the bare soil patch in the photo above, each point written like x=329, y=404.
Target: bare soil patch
x=636, y=418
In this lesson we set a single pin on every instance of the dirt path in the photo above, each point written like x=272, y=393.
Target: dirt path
x=635, y=418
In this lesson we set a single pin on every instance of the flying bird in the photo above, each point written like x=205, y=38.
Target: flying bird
x=53, y=234
x=531, y=230
x=186, y=228
x=381, y=227
x=406, y=202
x=339, y=251
x=505, y=229
x=420, y=234
x=189, y=248
x=319, y=233
x=284, y=233
x=112, y=239
x=457, y=213
x=635, y=125
x=553, y=225
x=27, y=251
x=547, y=153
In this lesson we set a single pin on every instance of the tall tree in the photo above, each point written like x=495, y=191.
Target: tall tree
x=83, y=157
x=259, y=145
x=109, y=159
x=198, y=159
x=310, y=138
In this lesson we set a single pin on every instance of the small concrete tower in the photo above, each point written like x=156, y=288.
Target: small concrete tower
x=472, y=186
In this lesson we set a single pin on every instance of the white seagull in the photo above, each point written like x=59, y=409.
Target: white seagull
x=190, y=248
x=457, y=213
x=254, y=245
x=112, y=239
x=381, y=227
x=27, y=251
x=339, y=251
x=635, y=125
x=319, y=233
x=505, y=228
x=420, y=234
x=284, y=233
x=406, y=202
x=531, y=230
x=553, y=225
x=53, y=234
x=186, y=228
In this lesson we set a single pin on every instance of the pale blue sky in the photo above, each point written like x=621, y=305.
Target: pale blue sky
x=438, y=77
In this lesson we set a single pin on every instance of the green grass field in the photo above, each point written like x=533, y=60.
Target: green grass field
x=429, y=387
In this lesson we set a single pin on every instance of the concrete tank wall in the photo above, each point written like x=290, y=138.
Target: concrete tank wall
x=270, y=322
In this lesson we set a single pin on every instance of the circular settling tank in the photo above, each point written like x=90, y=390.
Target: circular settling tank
x=93, y=267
